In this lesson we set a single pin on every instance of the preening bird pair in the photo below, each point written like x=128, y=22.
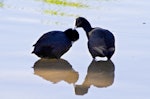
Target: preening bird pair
x=54, y=44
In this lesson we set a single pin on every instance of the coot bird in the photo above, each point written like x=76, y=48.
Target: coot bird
x=55, y=43
x=101, y=42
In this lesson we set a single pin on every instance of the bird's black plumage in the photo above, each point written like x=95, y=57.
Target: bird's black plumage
x=101, y=42
x=55, y=43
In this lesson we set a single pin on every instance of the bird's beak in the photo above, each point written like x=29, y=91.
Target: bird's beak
x=74, y=25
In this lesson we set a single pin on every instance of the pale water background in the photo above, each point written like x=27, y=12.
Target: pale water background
x=22, y=22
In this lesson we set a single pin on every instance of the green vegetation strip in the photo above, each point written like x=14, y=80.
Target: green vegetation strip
x=1, y=4
x=52, y=12
x=65, y=3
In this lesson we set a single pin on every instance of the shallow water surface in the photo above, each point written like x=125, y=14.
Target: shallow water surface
x=25, y=76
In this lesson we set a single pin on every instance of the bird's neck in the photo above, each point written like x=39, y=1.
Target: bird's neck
x=87, y=29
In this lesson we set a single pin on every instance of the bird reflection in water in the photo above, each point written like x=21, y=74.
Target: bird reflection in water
x=55, y=70
x=99, y=74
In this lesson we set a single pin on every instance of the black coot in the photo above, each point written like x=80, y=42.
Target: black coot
x=101, y=42
x=55, y=43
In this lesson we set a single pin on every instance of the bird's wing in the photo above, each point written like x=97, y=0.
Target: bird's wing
x=102, y=40
x=44, y=38
x=109, y=39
